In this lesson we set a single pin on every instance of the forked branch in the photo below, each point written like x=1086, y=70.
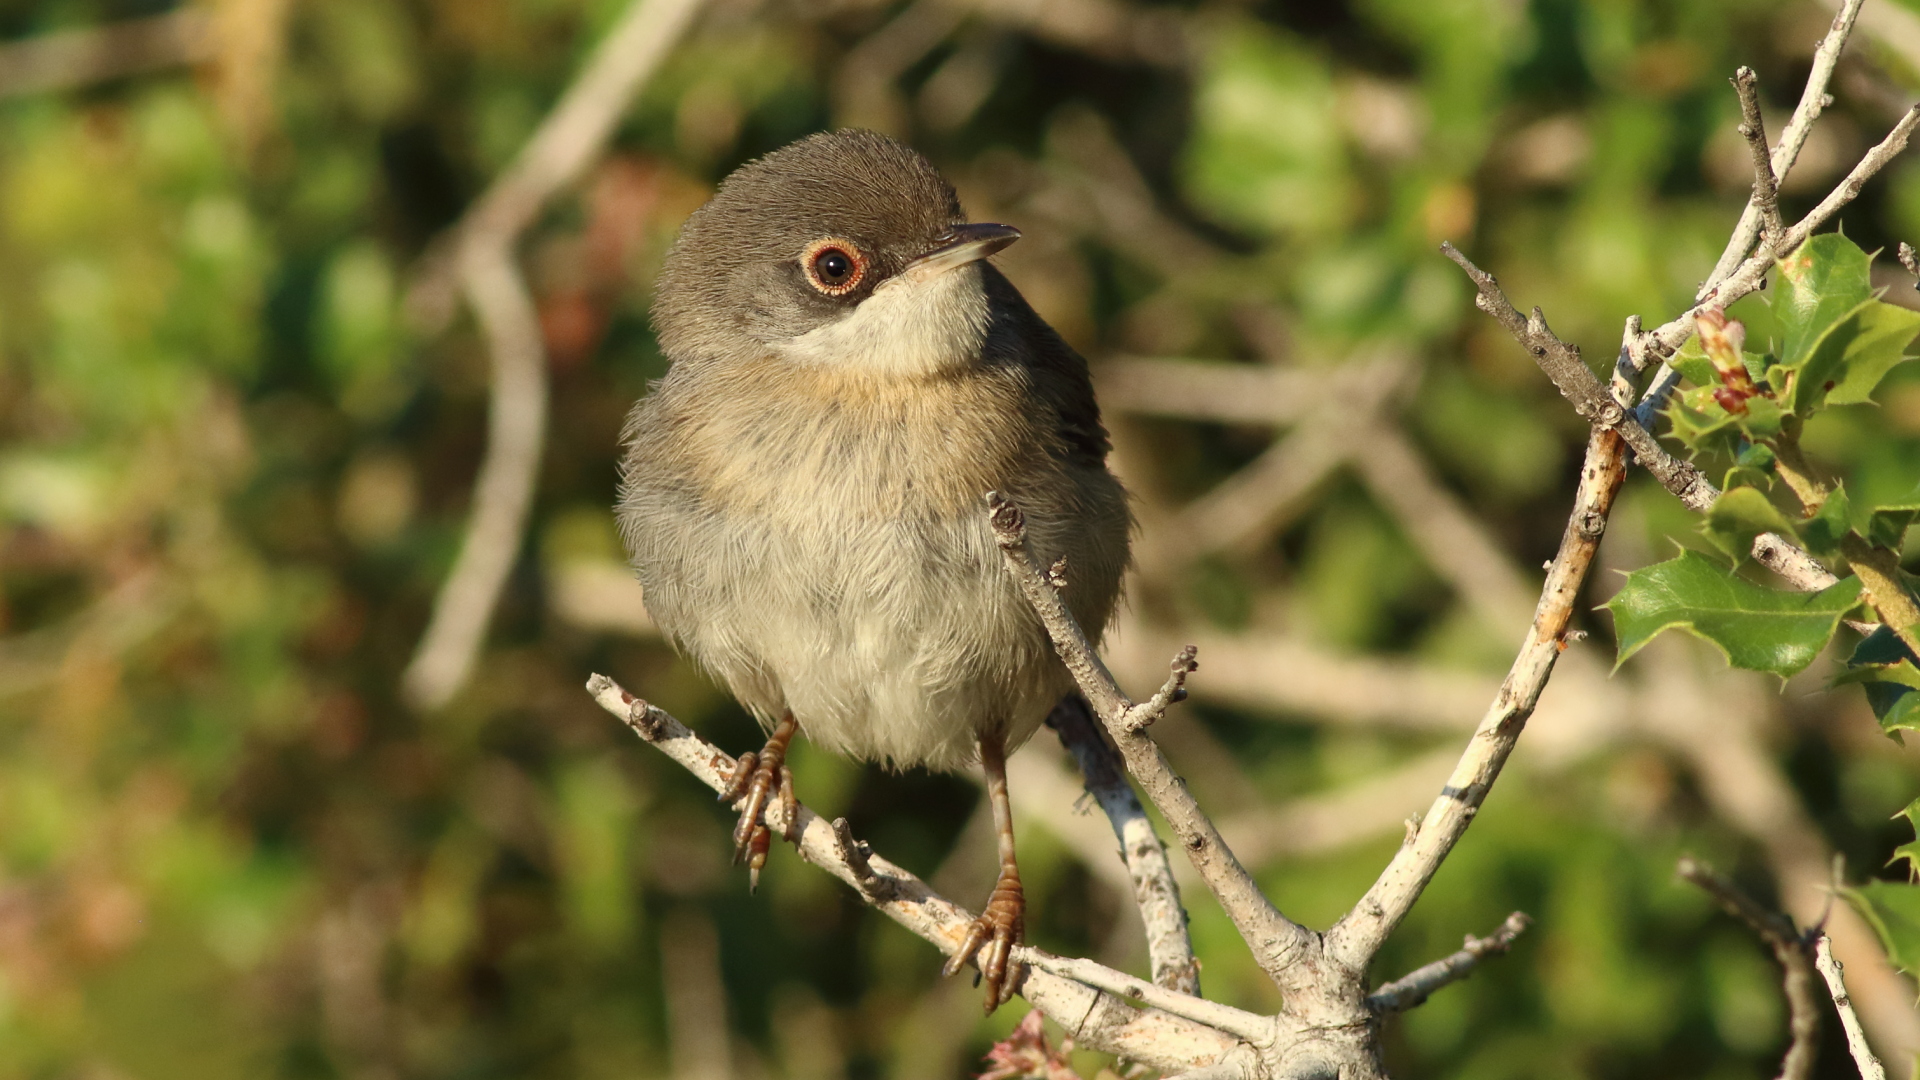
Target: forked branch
x=1276, y=940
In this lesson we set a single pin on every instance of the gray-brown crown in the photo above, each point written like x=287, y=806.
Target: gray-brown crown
x=733, y=278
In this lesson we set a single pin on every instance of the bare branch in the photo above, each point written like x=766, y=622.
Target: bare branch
x=1211, y=389
x=567, y=141
x=1814, y=100
x=1276, y=941
x=1766, y=195
x=1359, y=933
x=69, y=59
x=503, y=493
x=1169, y=947
x=1830, y=970
x=1096, y=1019
x=1251, y=1026
x=478, y=252
x=1751, y=273
x=1789, y=947
x=1418, y=985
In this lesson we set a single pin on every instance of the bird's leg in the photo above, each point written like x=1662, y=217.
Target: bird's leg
x=758, y=778
x=1003, y=924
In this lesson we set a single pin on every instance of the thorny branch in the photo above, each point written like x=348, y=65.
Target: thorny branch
x=1792, y=949
x=1419, y=984
x=1169, y=947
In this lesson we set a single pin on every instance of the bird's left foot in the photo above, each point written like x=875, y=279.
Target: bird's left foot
x=759, y=779
x=991, y=939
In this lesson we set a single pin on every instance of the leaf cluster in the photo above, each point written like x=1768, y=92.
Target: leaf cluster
x=1835, y=340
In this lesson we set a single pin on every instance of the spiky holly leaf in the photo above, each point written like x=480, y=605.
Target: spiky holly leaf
x=1739, y=515
x=1887, y=525
x=1823, y=280
x=1838, y=339
x=1757, y=628
x=1889, y=675
x=1910, y=850
x=1893, y=910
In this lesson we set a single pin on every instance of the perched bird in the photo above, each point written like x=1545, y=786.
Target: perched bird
x=802, y=493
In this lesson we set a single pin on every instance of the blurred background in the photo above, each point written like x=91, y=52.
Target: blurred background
x=236, y=466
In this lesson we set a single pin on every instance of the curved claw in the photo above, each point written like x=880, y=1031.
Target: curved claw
x=991, y=938
x=759, y=778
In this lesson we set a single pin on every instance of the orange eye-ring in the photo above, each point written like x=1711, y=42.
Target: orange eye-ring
x=834, y=266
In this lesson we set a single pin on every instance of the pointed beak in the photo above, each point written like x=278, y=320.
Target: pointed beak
x=962, y=244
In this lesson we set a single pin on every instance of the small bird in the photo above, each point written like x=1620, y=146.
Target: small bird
x=803, y=493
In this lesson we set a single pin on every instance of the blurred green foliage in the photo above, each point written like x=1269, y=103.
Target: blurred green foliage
x=232, y=475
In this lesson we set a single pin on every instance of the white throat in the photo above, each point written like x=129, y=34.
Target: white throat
x=911, y=325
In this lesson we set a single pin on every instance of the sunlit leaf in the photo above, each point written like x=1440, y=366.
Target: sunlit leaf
x=1893, y=910
x=1838, y=340
x=1757, y=628
x=1826, y=278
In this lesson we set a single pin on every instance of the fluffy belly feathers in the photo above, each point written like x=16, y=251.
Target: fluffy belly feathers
x=878, y=612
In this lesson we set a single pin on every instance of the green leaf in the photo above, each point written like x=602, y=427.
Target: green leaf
x=1887, y=672
x=1753, y=468
x=1851, y=357
x=1692, y=364
x=1838, y=339
x=1739, y=515
x=1893, y=910
x=1820, y=283
x=1910, y=850
x=1829, y=525
x=1757, y=628
x=1887, y=525
x=1885, y=332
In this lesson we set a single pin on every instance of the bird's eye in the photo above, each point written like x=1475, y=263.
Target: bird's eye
x=834, y=266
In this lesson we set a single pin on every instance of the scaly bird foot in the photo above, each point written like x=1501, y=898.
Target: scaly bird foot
x=758, y=779
x=991, y=939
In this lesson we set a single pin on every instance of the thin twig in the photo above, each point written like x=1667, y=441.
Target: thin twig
x=1749, y=276
x=1096, y=1019
x=1169, y=946
x=1419, y=984
x=1790, y=948
x=1275, y=939
x=1359, y=934
x=479, y=253
x=1814, y=100
x=1766, y=193
x=1830, y=970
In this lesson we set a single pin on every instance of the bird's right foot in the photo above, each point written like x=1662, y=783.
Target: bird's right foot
x=758, y=779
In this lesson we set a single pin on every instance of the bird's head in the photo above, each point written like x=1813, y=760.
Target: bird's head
x=845, y=248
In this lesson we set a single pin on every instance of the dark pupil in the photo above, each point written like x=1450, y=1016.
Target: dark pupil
x=834, y=267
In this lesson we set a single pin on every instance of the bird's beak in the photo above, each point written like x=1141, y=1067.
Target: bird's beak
x=962, y=244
